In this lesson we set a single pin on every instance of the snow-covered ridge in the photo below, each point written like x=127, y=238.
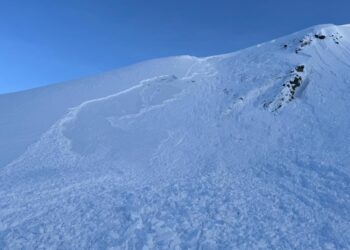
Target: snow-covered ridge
x=245, y=150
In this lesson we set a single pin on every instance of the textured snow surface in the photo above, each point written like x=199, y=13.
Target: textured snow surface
x=248, y=150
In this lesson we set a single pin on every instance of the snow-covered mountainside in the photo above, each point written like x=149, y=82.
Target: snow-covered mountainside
x=248, y=150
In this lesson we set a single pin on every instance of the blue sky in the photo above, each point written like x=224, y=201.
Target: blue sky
x=43, y=42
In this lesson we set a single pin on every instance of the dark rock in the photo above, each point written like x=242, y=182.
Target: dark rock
x=320, y=36
x=300, y=68
x=296, y=82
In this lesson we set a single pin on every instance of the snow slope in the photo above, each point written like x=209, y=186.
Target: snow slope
x=248, y=150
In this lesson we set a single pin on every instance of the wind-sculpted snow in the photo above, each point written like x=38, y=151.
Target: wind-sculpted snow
x=248, y=150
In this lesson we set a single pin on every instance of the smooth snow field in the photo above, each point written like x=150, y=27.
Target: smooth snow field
x=247, y=150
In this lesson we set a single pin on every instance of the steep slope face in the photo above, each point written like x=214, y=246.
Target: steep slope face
x=25, y=116
x=246, y=150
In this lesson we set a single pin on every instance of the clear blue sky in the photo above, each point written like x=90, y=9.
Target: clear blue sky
x=43, y=42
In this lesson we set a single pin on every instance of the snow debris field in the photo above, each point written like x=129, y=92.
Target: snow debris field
x=248, y=150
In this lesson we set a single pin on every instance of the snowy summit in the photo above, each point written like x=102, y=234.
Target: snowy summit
x=248, y=150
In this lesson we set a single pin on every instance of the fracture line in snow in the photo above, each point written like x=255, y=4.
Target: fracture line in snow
x=63, y=142
x=75, y=111
x=145, y=110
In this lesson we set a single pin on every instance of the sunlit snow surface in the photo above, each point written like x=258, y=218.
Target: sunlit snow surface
x=225, y=152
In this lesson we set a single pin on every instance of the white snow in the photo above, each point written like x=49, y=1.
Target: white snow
x=247, y=150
